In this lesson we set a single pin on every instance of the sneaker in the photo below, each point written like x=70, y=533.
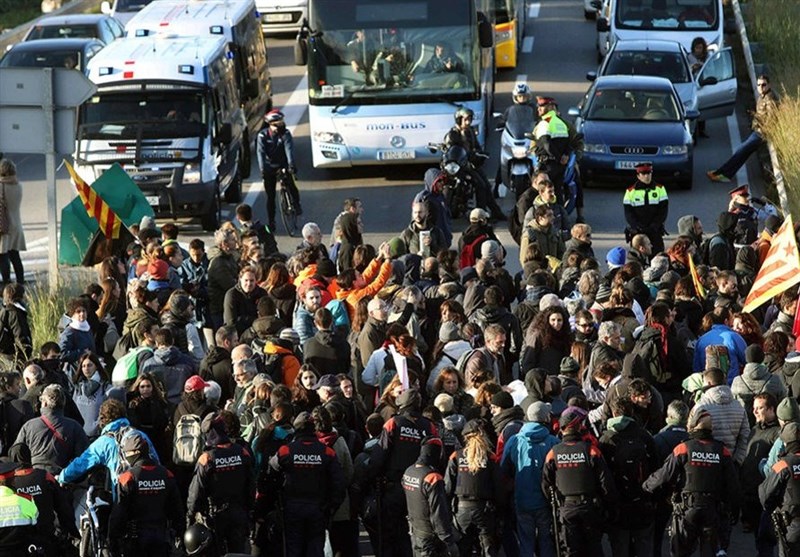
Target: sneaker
x=717, y=177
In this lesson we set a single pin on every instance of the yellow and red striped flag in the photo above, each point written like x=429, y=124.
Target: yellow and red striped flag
x=780, y=270
x=698, y=284
x=96, y=208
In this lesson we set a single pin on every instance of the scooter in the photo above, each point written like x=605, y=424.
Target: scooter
x=517, y=160
x=459, y=185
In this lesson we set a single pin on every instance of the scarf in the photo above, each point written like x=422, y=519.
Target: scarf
x=79, y=325
x=90, y=386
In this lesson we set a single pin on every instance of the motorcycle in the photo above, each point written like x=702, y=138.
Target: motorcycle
x=460, y=175
x=517, y=160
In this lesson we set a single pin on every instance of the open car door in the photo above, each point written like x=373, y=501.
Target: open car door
x=716, y=85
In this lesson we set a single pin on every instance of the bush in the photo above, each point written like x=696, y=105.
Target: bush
x=17, y=12
x=45, y=307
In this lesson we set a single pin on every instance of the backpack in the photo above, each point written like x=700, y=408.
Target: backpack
x=705, y=248
x=273, y=366
x=341, y=319
x=467, y=257
x=649, y=365
x=629, y=467
x=187, y=442
x=124, y=344
x=118, y=436
x=717, y=356
x=127, y=367
x=461, y=364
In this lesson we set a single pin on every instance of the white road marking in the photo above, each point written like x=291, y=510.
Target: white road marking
x=527, y=45
x=533, y=10
x=733, y=132
x=297, y=104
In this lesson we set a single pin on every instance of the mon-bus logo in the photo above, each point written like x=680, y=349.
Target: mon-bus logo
x=401, y=126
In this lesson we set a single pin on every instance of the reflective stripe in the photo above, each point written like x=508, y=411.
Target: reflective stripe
x=636, y=197
x=551, y=125
x=16, y=510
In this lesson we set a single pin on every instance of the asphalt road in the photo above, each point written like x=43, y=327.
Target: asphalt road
x=562, y=52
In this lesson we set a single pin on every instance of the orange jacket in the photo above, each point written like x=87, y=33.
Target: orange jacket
x=376, y=275
x=290, y=365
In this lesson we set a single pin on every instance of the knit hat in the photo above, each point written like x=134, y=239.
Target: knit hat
x=449, y=331
x=444, y=402
x=397, y=247
x=550, y=300
x=503, y=400
x=158, y=269
x=490, y=249
x=326, y=268
x=467, y=274
x=478, y=214
x=538, y=412
x=260, y=379
x=572, y=417
x=658, y=266
x=754, y=354
x=409, y=399
x=615, y=257
x=788, y=410
x=290, y=334
x=569, y=365
x=194, y=383
x=603, y=292
x=147, y=222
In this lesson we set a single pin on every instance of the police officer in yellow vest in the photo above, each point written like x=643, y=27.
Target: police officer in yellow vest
x=18, y=515
x=646, y=207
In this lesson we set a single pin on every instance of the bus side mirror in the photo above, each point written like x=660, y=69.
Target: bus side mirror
x=602, y=25
x=300, y=52
x=485, y=32
x=225, y=134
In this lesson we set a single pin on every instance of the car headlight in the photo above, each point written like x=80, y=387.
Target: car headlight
x=191, y=174
x=328, y=137
x=595, y=148
x=452, y=168
x=502, y=36
x=519, y=151
x=674, y=150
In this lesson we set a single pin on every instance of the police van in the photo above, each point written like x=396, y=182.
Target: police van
x=235, y=20
x=166, y=109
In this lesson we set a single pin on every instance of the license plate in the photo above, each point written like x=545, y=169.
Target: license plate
x=152, y=200
x=396, y=155
x=278, y=18
x=625, y=165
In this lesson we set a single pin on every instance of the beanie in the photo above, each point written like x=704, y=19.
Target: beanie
x=503, y=400
x=616, y=257
x=789, y=433
x=754, y=354
x=788, y=410
x=569, y=365
x=449, y=331
x=538, y=412
x=490, y=249
x=326, y=268
x=409, y=399
x=603, y=292
x=397, y=247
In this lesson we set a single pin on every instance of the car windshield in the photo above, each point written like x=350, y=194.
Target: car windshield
x=161, y=115
x=670, y=65
x=701, y=15
x=633, y=105
x=62, y=32
x=51, y=59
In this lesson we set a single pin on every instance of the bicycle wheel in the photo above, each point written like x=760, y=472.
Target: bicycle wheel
x=288, y=211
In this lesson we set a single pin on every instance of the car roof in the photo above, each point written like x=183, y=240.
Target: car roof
x=632, y=82
x=42, y=45
x=638, y=45
x=71, y=19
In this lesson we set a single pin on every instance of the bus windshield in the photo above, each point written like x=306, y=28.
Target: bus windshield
x=700, y=15
x=371, y=52
x=125, y=115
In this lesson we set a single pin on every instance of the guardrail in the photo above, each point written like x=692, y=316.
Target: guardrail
x=13, y=36
x=780, y=184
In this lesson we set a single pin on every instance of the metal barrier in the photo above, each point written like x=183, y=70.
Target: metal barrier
x=13, y=36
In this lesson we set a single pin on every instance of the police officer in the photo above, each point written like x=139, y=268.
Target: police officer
x=746, y=215
x=398, y=448
x=18, y=516
x=704, y=470
x=275, y=151
x=464, y=135
x=646, y=207
x=313, y=490
x=429, y=514
x=51, y=501
x=575, y=469
x=223, y=487
x=148, y=501
x=780, y=492
x=473, y=483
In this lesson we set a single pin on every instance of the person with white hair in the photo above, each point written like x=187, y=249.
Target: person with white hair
x=212, y=392
x=312, y=238
x=243, y=373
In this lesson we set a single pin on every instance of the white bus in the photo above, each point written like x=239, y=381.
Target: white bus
x=375, y=93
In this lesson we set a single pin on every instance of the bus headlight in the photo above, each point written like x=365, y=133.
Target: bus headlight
x=328, y=137
x=674, y=149
x=503, y=36
x=191, y=174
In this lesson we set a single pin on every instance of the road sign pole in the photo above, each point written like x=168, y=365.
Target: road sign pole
x=50, y=168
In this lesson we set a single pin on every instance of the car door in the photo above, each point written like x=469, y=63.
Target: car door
x=716, y=85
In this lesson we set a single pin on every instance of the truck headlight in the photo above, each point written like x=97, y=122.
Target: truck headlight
x=191, y=174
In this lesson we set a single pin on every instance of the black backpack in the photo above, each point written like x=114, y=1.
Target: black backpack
x=649, y=365
x=630, y=467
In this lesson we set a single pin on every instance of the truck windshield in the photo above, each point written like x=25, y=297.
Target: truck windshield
x=153, y=115
x=371, y=52
x=688, y=15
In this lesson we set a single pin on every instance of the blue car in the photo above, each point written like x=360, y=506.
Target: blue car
x=626, y=120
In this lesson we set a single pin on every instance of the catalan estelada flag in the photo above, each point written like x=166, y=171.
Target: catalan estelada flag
x=698, y=284
x=96, y=208
x=780, y=270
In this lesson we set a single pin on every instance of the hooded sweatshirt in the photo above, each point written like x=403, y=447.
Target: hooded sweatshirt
x=789, y=375
x=523, y=460
x=756, y=379
x=686, y=228
x=728, y=419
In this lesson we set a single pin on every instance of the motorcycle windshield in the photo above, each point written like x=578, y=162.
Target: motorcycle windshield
x=520, y=121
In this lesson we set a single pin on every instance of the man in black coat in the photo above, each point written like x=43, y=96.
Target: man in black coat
x=326, y=350
x=217, y=365
x=13, y=411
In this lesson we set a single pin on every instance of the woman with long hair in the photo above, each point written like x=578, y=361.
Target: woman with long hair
x=776, y=348
x=387, y=407
x=111, y=305
x=477, y=487
x=679, y=253
x=398, y=353
x=304, y=397
x=483, y=400
x=547, y=340
x=581, y=352
x=148, y=411
x=452, y=310
x=91, y=384
x=748, y=327
x=450, y=381
x=279, y=287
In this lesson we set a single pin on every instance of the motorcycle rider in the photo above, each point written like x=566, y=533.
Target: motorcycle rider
x=521, y=110
x=464, y=135
x=275, y=151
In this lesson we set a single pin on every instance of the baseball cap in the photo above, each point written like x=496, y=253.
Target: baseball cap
x=194, y=383
x=477, y=215
x=328, y=380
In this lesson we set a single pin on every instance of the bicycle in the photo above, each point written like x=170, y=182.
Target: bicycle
x=93, y=542
x=288, y=209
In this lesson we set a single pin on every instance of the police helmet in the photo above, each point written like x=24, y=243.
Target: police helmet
x=274, y=116
x=134, y=444
x=196, y=539
x=464, y=112
x=522, y=93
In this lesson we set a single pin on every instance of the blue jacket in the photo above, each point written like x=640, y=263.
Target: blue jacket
x=73, y=343
x=303, y=323
x=523, y=460
x=721, y=334
x=103, y=451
